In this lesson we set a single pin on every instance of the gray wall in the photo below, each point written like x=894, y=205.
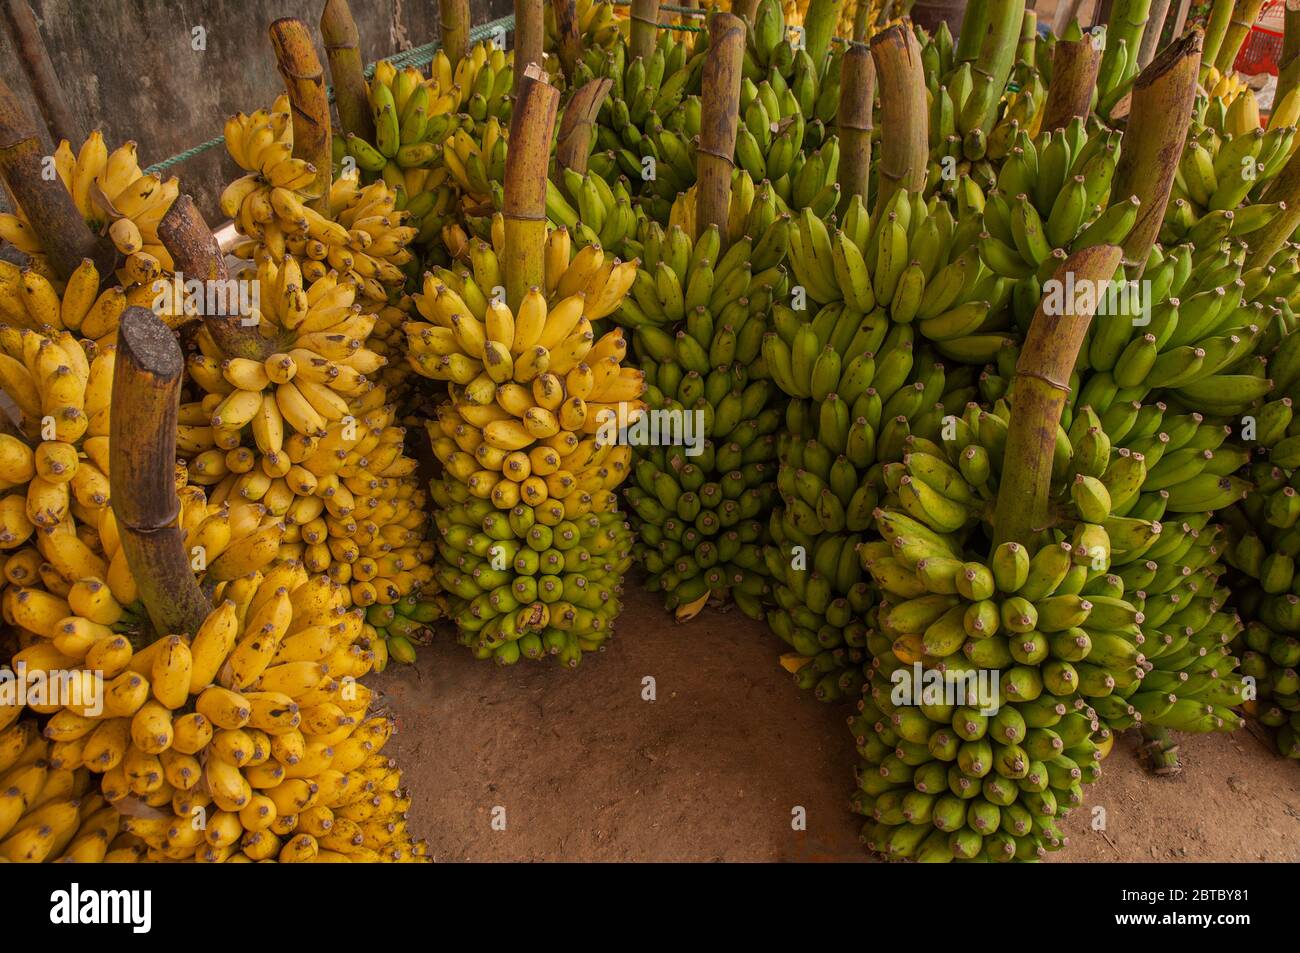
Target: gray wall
x=128, y=67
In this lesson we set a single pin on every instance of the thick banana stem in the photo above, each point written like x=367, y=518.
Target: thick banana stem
x=1215, y=28
x=339, y=32
x=1290, y=37
x=720, y=110
x=904, y=118
x=862, y=25
x=645, y=29
x=1244, y=17
x=573, y=147
x=566, y=25
x=453, y=29
x=62, y=232
x=304, y=79
x=974, y=23
x=146, y=398
x=1160, y=749
x=524, y=205
x=1042, y=383
x=1074, y=80
x=1151, y=36
x=1159, y=116
x=530, y=32
x=857, y=93
x=190, y=242
x=1180, y=18
x=1028, y=38
x=1127, y=22
x=745, y=8
x=818, y=27
x=44, y=81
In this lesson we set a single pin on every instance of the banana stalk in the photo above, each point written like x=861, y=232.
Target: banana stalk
x=566, y=24
x=1151, y=36
x=1124, y=29
x=1238, y=27
x=339, y=31
x=645, y=29
x=146, y=397
x=453, y=28
x=1074, y=79
x=1159, y=116
x=300, y=67
x=904, y=118
x=1043, y=371
x=194, y=250
x=857, y=94
x=41, y=76
x=1215, y=29
x=530, y=35
x=720, y=104
x=573, y=147
x=524, y=206
x=54, y=217
x=973, y=24
x=819, y=26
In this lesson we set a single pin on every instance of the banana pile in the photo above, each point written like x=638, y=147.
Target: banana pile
x=307, y=435
x=594, y=213
x=395, y=629
x=359, y=234
x=532, y=541
x=249, y=738
x=115, y=198
x=598, y=24
x=1229, y=159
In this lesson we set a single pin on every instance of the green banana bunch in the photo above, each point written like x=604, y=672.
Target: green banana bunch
x=984, y=57
x=404, y=625
x=917, y=262
x=596, y=213
x=698, y=320
x=529, y=581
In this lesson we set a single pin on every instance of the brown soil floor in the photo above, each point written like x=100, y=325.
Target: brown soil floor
x=716, y=766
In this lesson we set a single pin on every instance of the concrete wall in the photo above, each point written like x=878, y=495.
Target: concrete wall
x=128, y=66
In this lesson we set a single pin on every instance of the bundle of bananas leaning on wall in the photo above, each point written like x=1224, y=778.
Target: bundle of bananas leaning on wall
x=698, y=316
x=533, y=546
x=114, y=198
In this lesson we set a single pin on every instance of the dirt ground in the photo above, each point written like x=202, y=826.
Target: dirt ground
x=578, y=766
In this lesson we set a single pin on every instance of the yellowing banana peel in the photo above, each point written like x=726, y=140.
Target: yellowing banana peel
x=116, y=198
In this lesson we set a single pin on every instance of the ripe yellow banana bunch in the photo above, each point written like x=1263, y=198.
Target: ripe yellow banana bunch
x=116, y=198
x=531, y=395
x=48, y=810
x=358, y=232
x=250, y=736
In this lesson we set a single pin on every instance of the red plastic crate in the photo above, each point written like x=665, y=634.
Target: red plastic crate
x=1263, y=46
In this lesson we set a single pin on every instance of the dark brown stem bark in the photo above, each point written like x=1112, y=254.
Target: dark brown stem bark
x=573, y=148
x=42, y=78
x=342, y=49
x=63, y=233
x=453, y=29
x=530, y=34
x=304, y=79
x=146, y=399
x=1074, y=78
x=720, y=111
x=524, y=206
x=1160, y=113
x=904, y=118
x=857, y=94
x=570, y=40
x=1042, y=383
x=187, y=238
